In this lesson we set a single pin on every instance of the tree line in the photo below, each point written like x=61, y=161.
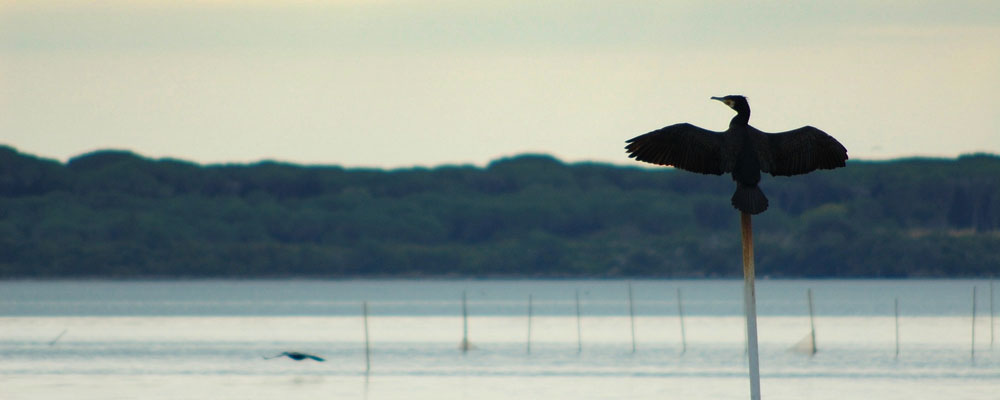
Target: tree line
x=116, y=214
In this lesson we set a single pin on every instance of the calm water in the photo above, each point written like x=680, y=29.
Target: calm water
x=206, y=339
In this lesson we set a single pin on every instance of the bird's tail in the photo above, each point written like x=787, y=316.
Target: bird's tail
x=749, y=199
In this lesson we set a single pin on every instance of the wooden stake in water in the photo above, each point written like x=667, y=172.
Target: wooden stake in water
x=368, y=357
x=973, y=322
x=529, y=324
x=896, y=309
x=631, y=314
x=812, y=323
x=53, y=341
x=579, y=329
x=465, y=326
x=750, y=304
x=991, y=314
x=680, y=314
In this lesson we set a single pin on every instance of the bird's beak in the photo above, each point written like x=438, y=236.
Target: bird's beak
x=729, y=103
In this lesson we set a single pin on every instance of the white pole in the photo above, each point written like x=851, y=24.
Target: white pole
x=812, y=323
x=368, y=357
x=896, y=308
x=631, y=313
x=746, y=336
x=750, y=304
x=680, y=314
x=579, y=330
x=529, y=324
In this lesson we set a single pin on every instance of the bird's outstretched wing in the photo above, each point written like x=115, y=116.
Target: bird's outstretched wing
x=799, y=151
x=684, y=146
x=315, y=358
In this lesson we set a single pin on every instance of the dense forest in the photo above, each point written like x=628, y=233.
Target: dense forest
x=115, y=214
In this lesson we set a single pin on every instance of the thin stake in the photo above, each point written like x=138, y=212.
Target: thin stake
x=53, y=341
x=896, y=308
x=750, y=304
x=368, y=357
x=991, y=314
x=579, y=330
x=812, y=323
x=973, y=322
x=680, y=314
x=529, y=324
x=465, y=325
x=631, y=314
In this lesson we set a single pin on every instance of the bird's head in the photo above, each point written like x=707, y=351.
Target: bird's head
x=734, y=101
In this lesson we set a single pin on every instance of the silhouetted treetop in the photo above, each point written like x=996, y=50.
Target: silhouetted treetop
x=114, y=213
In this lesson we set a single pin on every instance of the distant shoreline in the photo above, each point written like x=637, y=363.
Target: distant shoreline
x=117, y=215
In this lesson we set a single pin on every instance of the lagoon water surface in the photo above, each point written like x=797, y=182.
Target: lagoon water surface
x=207, y=340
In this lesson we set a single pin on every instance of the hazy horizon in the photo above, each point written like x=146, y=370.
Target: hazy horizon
x=628, y=162
x=425, y=83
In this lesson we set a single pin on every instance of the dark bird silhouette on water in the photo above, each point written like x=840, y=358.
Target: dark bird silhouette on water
x=741, y=150
x=296, y=356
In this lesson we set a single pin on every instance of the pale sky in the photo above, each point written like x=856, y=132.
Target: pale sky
x=386, y=83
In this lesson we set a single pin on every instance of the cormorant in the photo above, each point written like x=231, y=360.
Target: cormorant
x=296, y=356
x=741, y=150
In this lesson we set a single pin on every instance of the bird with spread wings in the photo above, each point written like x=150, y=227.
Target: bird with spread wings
x=741, y=150
x=297, y=356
